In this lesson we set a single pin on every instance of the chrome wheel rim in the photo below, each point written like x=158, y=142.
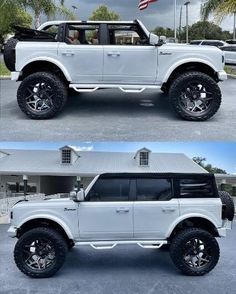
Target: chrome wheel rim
x=39, y=97
x=196, y=98
x=39, y=254
x=196, y=253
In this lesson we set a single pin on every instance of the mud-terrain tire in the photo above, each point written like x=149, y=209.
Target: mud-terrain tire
x=227, y=200
x=36, y=237
x=195, y=96
x=42, y=95
x=185, y=247
x=9, y=54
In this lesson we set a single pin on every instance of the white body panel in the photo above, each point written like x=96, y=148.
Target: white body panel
x=84, y=62
x=152, y=219
x=130, y=64
x=106, y=220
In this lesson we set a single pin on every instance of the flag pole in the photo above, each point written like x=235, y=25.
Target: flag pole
x=175, y=8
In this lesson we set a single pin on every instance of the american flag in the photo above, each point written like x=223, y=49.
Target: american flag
x=143, y=4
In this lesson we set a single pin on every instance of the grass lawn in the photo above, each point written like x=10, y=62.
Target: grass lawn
x=3, y=70
x=230, y=70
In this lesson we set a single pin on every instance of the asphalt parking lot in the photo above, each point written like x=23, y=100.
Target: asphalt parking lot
x=109, y=115
x=125, y=269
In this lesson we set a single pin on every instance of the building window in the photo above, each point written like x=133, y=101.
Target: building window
x=144, y=159
x=66, y=156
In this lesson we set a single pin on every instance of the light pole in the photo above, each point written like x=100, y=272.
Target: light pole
x=175, y=5
x=75, y=8
x=180, y=23
x=187, y=4
x=234, y=34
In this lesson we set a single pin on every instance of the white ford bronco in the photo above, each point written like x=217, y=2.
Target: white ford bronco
x=88, y=56
x=182, y=212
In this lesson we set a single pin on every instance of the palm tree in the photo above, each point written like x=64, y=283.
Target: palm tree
x=219, y=8
x=48, y=7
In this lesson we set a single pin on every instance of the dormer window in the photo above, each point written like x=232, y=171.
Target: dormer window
x=66, y=156
x=144, y=158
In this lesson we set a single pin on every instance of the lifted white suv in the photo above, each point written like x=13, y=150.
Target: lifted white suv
x=87, y=56
x=184, y=212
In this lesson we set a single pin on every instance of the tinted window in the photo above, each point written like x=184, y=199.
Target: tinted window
x=196, y=188
x=195, y=42
x=212, y=43
x=110, y=190
x=153, y=189
x=229, y=48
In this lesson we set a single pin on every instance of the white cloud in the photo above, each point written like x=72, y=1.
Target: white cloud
x=83, y=148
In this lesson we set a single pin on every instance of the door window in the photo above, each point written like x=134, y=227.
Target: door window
x=107, y=190
x=126, y=35
x=154, y=189
x=83, y=35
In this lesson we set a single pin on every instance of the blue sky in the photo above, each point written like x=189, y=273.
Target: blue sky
x=220, y=154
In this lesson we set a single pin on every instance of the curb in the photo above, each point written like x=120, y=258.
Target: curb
x=5, y=77
x=231, y=76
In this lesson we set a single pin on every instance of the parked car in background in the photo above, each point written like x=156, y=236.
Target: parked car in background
x=230, y=54
x=216, y=43
x=232, y=41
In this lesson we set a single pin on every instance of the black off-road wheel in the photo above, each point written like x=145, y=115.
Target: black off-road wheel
x=9, y=54
x=229, y=211
x=40, y=252
x=195, y=252
x=195, y=96
x=42, y=95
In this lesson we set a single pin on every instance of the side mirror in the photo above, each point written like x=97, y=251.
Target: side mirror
x=162, y=39
x=77, y=196
x=153, y=39
x=81, y=195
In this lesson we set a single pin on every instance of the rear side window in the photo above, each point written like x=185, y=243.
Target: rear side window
x=154, y=189
x=196, y=188
x=106, y=190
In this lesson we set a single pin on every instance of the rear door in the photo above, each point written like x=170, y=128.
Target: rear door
x=155, y=208
x=128, y=58
x=82, y=53
x=107, y=213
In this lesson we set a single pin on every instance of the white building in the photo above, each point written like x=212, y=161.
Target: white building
x=57, y=171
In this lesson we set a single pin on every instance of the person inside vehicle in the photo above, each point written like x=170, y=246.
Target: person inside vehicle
x=75, y=39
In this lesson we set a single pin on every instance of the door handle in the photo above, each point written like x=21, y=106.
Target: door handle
x=68, y=53
x=168, y=209
x=113, y=54
x=122, y=210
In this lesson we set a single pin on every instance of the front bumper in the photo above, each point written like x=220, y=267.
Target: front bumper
x=15, y=75
x=227, y=225
x=12, y=231
x=222, y=75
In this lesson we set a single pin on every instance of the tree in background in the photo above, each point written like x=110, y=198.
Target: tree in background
x=206, y=30
x=160, y=31
x=211, y=169
x=103, y=13
x=50, y=8
x=11, y=15
x=219, y=8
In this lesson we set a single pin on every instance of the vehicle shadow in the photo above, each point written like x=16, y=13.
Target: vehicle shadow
x=122, y=258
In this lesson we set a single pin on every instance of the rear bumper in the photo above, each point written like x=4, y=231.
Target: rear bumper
x=227, y=225
x=222, y=75
x=12, y=231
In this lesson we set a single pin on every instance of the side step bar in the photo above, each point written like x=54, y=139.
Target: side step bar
x=85, y=88
x=103, y=245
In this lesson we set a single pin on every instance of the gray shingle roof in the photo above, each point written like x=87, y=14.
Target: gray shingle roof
x=90, y=163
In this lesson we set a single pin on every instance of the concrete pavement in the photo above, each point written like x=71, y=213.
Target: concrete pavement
x=109, y=115
x=125, y=269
